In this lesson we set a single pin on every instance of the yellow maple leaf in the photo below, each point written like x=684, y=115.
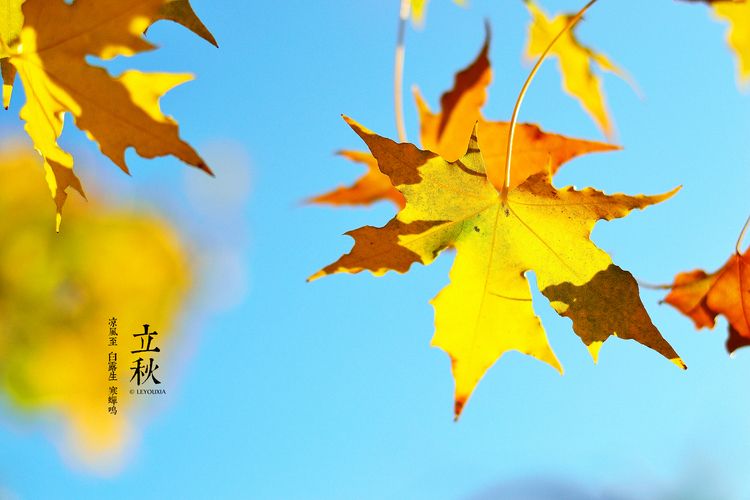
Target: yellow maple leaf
x=577, y=63
x=486, y=310
x=119, y=112
x=11, y=22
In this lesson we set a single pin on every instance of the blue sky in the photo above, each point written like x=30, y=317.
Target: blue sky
x=330, y=389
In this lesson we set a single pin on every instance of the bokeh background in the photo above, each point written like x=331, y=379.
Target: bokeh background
x=283, y=389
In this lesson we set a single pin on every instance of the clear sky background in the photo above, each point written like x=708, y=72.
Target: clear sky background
x=330, y=389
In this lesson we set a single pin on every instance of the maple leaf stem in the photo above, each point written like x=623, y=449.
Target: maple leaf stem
x=398, y=70
x=651, y=286
x=742, y=236
x=673, y=286
x=514, y=119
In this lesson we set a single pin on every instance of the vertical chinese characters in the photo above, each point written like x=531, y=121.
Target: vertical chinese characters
x=142, y=371
x=112, y=367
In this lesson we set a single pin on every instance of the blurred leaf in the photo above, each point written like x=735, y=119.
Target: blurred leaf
x=57, y=292
x=372, y=187
x=11, y=22
x=737, y=14
x=577, y=63
x=419, y=7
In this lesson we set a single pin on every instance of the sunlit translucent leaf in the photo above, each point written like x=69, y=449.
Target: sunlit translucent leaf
x=11, y=22
x=117, y=112
x=486, y=310
x=577, y=63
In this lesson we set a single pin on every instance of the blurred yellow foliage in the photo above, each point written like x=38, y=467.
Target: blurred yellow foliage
x=738, y=36
x=57, y=292
x=418, y=8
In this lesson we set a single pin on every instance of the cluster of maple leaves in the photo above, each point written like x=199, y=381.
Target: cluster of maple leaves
x=458, y=192
x=45, y=44
x=464, y=190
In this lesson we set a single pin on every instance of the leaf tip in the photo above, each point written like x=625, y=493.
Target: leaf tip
x=203, y=166
x=315, y=276
x=487, y=30
x=594, y=349
x=458, y=407
x=671, y=193
x=680, y=364
x=363, y=132
x=352, y=123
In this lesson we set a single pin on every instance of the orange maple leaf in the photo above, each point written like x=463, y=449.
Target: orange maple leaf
x=726, y=292
x=371, y=187
x=447, y=133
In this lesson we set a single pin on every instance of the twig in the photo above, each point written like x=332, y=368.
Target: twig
x=398, y=71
